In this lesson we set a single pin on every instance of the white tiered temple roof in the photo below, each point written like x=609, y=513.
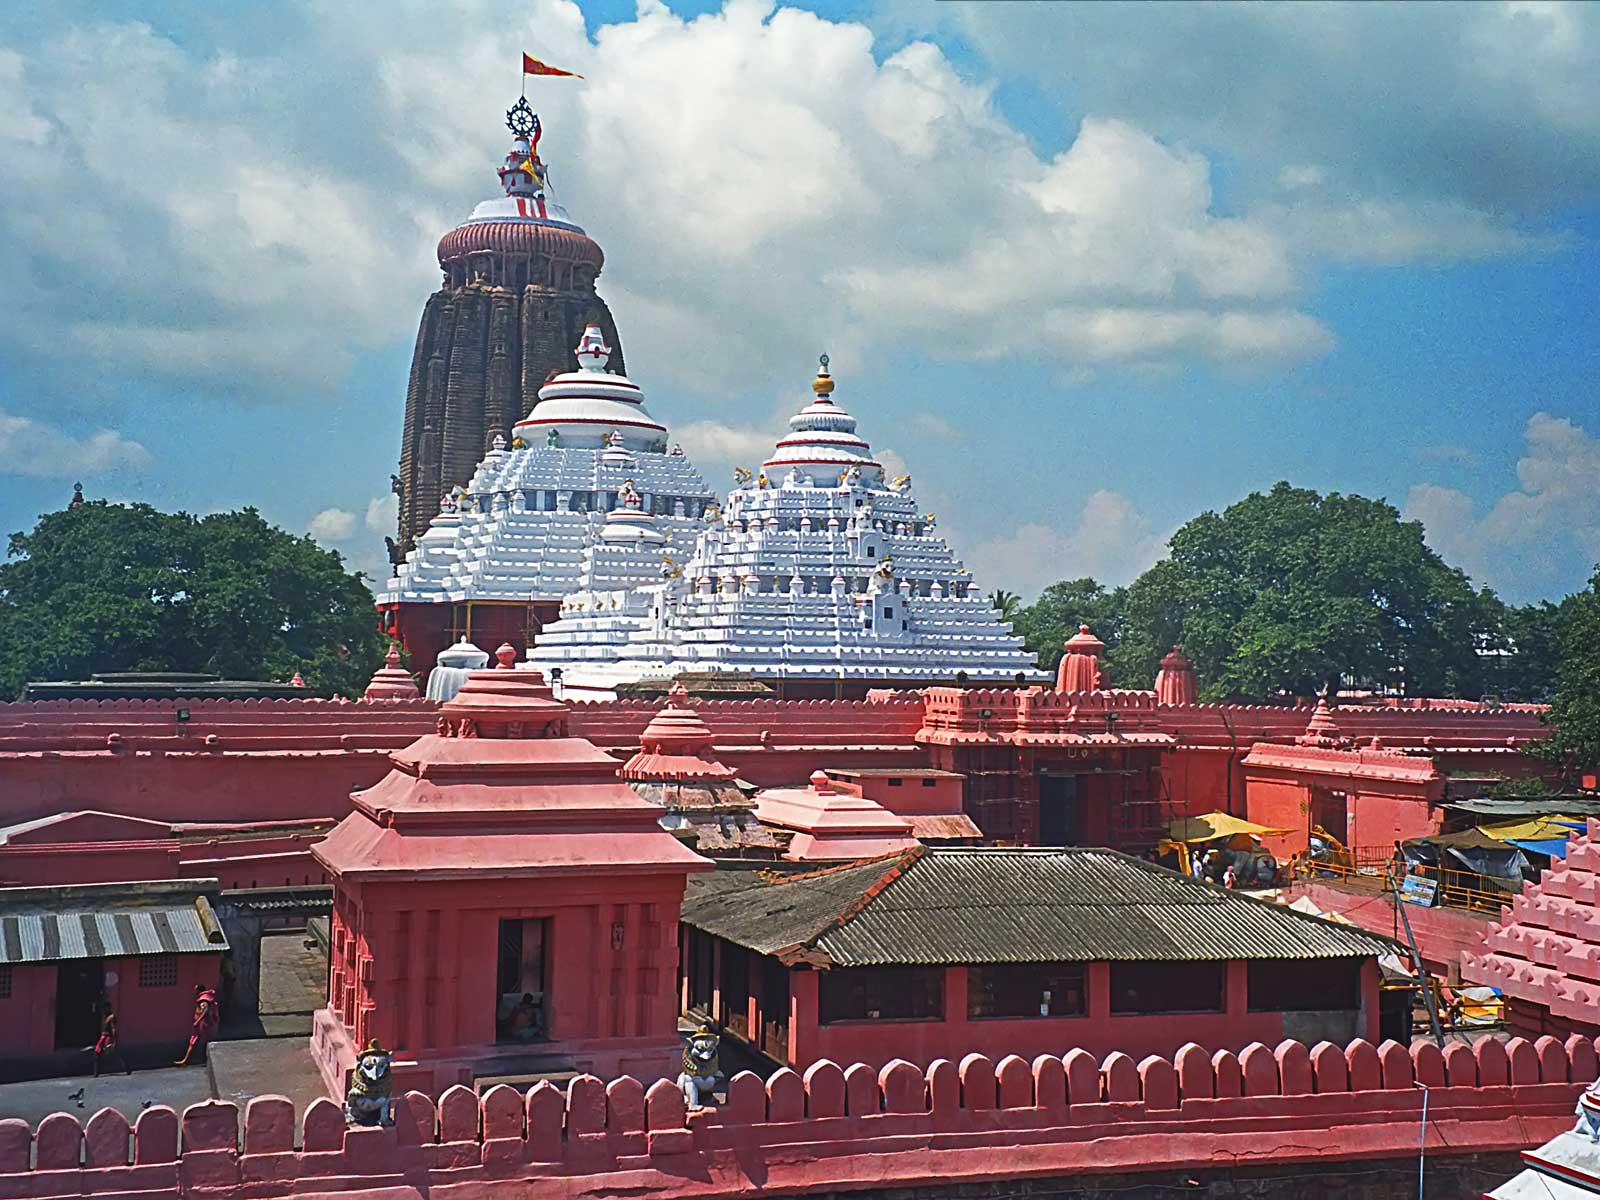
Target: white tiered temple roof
x=586, y=498
x=817, y=570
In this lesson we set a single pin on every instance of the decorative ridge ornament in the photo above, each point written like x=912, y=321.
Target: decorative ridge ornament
x=822, y=385
x=523, y=121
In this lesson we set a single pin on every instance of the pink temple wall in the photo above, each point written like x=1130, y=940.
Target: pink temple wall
x=836, y=1127
x=252, y=761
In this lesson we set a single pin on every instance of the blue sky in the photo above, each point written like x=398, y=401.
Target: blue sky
x=1084, y=270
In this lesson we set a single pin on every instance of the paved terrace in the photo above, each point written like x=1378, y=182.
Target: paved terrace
x=835, y=1129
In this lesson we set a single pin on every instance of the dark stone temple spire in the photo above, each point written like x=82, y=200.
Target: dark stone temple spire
x=518, y=290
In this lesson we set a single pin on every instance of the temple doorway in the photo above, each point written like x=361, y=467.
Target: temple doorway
x=1331, y=810
x=80, y=983
x=1060, y=811
x=521, y=1011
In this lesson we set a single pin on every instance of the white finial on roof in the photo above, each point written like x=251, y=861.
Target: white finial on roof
x=592, y=351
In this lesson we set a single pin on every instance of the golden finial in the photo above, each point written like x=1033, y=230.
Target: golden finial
x=822, y=385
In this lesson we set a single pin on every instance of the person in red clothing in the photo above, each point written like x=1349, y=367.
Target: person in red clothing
x=105, y=1046
x=207, y=1016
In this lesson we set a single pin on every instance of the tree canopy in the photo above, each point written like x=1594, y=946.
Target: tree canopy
x=1575, y=708
x=1055, y=616
x=122, y=587
x=1289, y=591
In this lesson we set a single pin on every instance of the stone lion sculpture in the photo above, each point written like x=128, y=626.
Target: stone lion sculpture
x=368, y=1100
x=699, y=1074
x=1588, y=1112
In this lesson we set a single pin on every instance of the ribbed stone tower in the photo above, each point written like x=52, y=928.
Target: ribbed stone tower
x=518, y=292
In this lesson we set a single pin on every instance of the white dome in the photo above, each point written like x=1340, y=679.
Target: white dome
x=584, y=407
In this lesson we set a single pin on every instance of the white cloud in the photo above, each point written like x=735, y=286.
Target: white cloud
x=715, y=441
x=40, y=451
x=1492, y=106
x=332, y=525
x=268, y=252
x=1110, y=541
x=383, y=512
x=931, y=424
x=1524, y=545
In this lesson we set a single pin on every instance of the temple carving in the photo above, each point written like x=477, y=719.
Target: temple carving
x=517, y=294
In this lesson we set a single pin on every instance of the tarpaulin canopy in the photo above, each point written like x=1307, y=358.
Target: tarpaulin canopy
x=1537, y=829
x=1549, y=847
x=1208, y=827
x=1465, y=839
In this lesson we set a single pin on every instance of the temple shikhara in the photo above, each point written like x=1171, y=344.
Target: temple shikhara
x=820, y=575
x=691, y=846
x=518, y=291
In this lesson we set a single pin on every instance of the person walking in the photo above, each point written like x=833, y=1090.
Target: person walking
x=105, y=1046
x=207, y=1016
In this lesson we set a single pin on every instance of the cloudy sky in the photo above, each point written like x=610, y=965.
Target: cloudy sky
x=1084, y=270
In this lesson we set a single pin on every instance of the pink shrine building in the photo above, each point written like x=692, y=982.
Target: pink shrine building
x=830, y=823
x=1366, y=796
x=68, y=951
x=502, y=904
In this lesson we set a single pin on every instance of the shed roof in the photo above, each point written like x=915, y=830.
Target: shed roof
x=938, y=905
x=49, y=924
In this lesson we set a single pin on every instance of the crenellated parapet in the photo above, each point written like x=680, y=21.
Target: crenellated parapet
x=974, y=1121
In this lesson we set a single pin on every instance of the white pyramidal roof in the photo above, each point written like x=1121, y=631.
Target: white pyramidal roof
x=587, y=496
x=817, y=569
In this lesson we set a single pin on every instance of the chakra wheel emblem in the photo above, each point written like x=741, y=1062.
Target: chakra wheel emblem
x=521, y=119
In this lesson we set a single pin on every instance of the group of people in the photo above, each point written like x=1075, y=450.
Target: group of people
x=202, y=1029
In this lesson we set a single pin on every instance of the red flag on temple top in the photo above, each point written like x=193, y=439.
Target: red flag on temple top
x=532, y=66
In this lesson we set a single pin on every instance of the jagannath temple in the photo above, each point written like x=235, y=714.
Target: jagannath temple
x=911, y=919
x=585, y=497
x=821, y=575
x=518, y=292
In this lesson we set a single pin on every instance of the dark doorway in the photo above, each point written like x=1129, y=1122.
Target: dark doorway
x=775, y=1010
x=1060, y=811
x=80, y=983
x=521, y=1012
x=1331, y=811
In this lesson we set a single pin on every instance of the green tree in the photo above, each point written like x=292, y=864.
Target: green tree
x=1289, y=591
x=115, y=587
x=1006, y=604
x=1522, y=654
x=1575, y=709
x=1055, y=616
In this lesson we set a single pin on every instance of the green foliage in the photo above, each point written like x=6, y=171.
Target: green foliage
x=1575, y=709
x=1522, y=659
x=113, y=587
x=1523, y=787
x=1291, y=591
x=1055, y=616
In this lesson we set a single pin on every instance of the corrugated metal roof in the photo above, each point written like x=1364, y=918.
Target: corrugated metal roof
x=961, y=905
x=120, y=924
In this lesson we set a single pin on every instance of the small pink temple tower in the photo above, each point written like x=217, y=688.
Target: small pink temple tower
x=676, y=747
x=1175, y=681
x=1080, y=665
x=833, y=822
x=1322, y=730
x=391, y=681
x=503, y=904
